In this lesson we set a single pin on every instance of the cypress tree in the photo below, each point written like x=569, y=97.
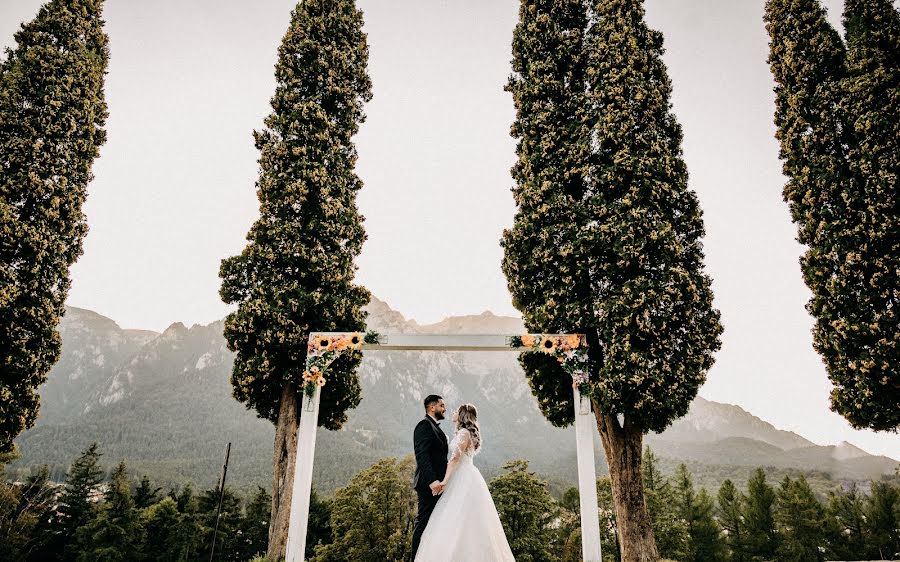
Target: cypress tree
x=52, y=114
x=836, y=117
x=606, y=236
x=295, y=275
x=759, y=518
x=800, y=520
x=730, y=506
x=864, y=349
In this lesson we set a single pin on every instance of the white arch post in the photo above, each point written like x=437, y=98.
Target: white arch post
x=309, y=417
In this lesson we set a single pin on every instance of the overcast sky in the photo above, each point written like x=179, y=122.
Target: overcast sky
x=174, y=190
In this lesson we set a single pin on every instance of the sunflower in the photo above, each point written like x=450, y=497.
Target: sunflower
x=307, y=376
x=528, y=340
x=356, y=340
x=323, y=344
x=320, y=381
x=548, y=345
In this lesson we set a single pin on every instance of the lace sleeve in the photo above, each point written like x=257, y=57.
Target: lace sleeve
x=463, y=442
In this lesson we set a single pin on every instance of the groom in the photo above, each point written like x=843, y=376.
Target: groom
x=431, y=448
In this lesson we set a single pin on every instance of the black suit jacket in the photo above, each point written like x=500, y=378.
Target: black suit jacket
x=430, y=445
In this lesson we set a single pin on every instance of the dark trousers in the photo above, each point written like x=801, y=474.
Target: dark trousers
x=427, y=501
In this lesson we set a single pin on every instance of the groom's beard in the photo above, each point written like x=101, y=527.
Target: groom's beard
x=438, y=416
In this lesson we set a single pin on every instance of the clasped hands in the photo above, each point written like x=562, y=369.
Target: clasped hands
x=437, y=488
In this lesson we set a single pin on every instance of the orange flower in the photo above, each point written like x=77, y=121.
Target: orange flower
x=574, y=340
x=528, y=340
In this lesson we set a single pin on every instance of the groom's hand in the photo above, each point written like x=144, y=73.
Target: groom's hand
x=436, y=488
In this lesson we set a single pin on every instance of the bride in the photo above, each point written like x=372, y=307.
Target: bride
x=464, y=524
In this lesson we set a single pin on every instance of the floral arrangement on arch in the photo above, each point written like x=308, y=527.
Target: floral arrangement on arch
x=570, y=350
x=323, y=349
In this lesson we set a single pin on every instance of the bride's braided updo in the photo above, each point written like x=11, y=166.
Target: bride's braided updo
x=467, y=418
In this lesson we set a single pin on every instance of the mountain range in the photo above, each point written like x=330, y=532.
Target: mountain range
x=162, y=401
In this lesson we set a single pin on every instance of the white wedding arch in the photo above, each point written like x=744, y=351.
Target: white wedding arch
x=324, y=347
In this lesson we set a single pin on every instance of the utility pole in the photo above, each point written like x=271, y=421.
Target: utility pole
x=212, y=551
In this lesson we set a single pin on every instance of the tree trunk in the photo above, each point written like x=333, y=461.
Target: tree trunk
x=283, y=464
x=623, y=447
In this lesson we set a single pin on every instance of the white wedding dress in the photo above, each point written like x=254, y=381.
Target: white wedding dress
x=464, y=526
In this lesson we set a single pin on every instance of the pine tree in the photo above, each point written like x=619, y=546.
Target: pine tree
x=696, y=510
x=526, y=510
x=161, y=524
x=800, y=520
x=76, y=503
x=863, y=353
x=295, y=275
x=759, y=518
x=254, y=527
x=52, y=114
x=145, y=495
x=114, y=535
x=883, y=521
x=730, y=508
x=229, y=519
x=668, y=527
x=846, y=525
x=606, y=236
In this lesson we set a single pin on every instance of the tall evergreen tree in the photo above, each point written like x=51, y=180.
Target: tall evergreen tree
x=52, y=114
x=863, y=353
x=226, y=545
x=606, y=237
x=668, y=526
x=254, y=528
x=800, y=520
x=836, y=116
x=759, y=518
x=114, y=535
x=846, y=525
x=77, y=501
x=161, y=525
x=145, y=494
x=295, y=275
x=696, y=510
x=730, y=508
x=883, y=521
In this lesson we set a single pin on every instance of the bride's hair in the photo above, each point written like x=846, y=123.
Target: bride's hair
x=467, y=417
